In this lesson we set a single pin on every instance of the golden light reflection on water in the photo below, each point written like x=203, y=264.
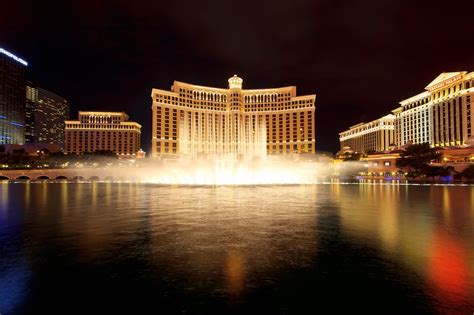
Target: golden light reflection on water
x=4, y=187
x=446, y=204
x=94, y=194
x=64, y=196
x=389, y=225
x=417, y=231
x=27, y=194
x=108, y=193
x=79, y=193
x=44, y=196
x=242, y=231
x=234, y=271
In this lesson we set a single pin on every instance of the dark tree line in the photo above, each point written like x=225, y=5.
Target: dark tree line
x=417, y=159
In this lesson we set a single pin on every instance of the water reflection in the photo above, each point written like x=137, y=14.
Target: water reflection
x=234, y=272
x=231, y=242
x=448, y=271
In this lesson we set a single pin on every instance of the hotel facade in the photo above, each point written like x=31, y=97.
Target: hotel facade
x=193, y=120
x=377, y=135
x=441, y=115
x=111, y=131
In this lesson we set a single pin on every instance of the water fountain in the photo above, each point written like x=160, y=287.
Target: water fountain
x=233, y=156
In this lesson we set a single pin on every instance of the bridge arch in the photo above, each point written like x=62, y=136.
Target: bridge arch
x=61, y=177
x=23, y=177
x=2, y=177
x=42, y=177
x=78, y=178
x=94, y=178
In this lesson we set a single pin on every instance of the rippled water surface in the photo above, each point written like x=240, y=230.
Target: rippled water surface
x=109, y=248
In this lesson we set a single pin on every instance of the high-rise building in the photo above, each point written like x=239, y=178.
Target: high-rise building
x=12, y=98
x=192, y=120
x=441, y=115
x=45, y=114
x=30, y=105
x=374, y=136
x=111, y=131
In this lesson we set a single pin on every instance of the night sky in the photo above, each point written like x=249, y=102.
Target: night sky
x=360, y=57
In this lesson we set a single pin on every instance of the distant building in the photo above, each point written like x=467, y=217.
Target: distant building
x=374, y=136
x=441, y=115
x=383, y=164
x=199, y=120
x=12, y=98
x=31, y=100
x=95, y=131
x=45, y=114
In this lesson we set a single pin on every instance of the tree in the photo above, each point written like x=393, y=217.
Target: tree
x=433, y=171
x=417, y=158
x=468, y=172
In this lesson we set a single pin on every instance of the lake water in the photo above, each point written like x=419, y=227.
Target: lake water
x=109, y=248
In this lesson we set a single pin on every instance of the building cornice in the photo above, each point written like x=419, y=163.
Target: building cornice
x=415, y=98
x=445, y=79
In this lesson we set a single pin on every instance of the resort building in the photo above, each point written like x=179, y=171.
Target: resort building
x=193, y=120
x=441, y=115
x=374, y=136
x=111, y=131
x=45, y=114
x=383, y=164
x=12, y=98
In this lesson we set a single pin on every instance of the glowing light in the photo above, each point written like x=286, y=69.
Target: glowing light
x=232, y=171
x=448, y=268
x=235, y=272
x=9, y=54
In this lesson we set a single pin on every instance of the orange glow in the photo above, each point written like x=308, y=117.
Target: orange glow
x=448, y=269
x=234, y=272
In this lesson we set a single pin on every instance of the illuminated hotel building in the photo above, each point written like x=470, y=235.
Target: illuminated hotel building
x=441, y=115
x=193, y=120
x=12, y=98
x=377, y=135
x=111, y=131
x=45, y=115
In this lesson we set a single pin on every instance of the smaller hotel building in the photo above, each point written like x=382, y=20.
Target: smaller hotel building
x=374, y=136
x=110, y=131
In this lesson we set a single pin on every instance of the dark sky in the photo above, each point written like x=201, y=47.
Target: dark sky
x=360, y=57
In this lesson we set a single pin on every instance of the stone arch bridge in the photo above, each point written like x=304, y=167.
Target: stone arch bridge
x=72, y=174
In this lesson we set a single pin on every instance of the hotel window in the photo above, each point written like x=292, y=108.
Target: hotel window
x=386, y=163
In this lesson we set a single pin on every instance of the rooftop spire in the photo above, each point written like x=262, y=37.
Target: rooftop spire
x=235, y=82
